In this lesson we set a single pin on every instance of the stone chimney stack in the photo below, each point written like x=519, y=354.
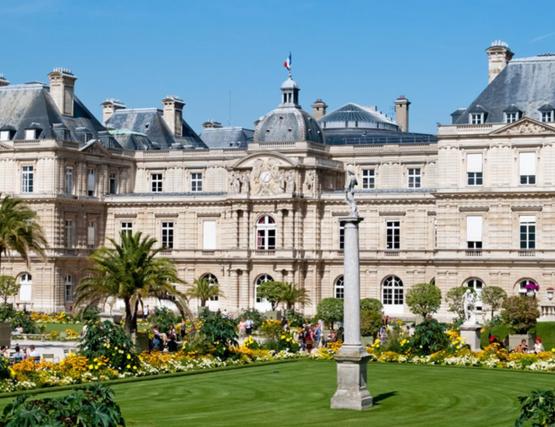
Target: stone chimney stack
x=211, y=124
x=402, y=113
x=499, y=55
x=109, y=107
x=319, y=109
x=62, y=83
x=173, y=110
x=3, y=81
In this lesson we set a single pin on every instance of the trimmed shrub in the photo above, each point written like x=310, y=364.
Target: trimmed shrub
x=164, y=318
x=424, y=299
x=371, y=316
x=520, y=313
x=330, y=310
x=429, y=337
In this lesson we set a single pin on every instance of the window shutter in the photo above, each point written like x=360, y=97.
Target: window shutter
x=527, y=164
x=209, y=235
x=474, y=162
x=473, y=228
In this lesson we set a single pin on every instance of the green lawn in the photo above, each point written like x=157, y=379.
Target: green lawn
x=298, y=393
x=546, y=330
x=61, y=327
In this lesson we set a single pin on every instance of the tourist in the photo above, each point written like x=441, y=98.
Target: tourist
x=538, y=345
x=156, y=344
x=146, y=311
x=308, y=338
x=340, y=333
x=33, y=354
x=249, y=326
x=317, y=336
x=18, y=355
x=172, y=340
x=241, y=328
x=522, y=347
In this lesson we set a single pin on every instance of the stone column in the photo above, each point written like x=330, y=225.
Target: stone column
x=352, y=392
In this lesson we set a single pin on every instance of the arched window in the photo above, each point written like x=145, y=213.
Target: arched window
x=392, y=291
x=26, y=285
x=339, y=287
x=477, y=285
x=527, y=285
x=266, y=233
x=68, y=288
x=213, y=280
x=261, y=303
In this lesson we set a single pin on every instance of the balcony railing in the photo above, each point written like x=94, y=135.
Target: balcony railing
x=527, y=252
x=547, y=312
x=473, y=252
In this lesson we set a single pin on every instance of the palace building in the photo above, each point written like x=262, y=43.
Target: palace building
x=473, y=205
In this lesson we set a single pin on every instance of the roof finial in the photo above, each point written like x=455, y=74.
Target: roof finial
x=287, y=64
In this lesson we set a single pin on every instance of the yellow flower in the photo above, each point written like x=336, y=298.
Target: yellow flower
x=91, y=367
x=128, y=366
x=128, y=356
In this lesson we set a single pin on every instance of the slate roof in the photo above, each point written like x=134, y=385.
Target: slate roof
x=355, y=115
x=351, y=136
x=527, y=84
x=227, y=137
x=288, y=124
x=145, y=128
x=25, y=106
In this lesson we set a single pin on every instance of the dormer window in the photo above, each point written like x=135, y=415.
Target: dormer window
x=6, y=135
x=476, y=118
x=32, y=134
x=548, y=116
x=512, y=116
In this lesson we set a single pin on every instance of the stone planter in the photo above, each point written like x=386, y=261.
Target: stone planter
x=141, y=342
x=515, y=340
x=5, y=334
x=273, y=315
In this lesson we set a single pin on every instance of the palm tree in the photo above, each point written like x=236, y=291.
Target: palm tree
x=20, y=230
x=291, y=295
x=130, y=271
x=203, y=290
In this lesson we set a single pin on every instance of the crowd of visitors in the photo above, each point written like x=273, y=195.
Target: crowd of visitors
x=18, y=354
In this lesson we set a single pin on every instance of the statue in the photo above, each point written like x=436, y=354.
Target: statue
x=235, y=183
x=469, y=303
x=290, y=182
x=350, y=184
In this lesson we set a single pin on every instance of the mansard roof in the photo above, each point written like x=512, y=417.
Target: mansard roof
x=26, y=106
x=227, y=137
x=527, y=84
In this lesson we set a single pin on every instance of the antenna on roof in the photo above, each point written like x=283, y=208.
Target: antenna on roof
x=229, y=109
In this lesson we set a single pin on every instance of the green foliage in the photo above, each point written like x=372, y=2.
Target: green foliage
x=330, y=310
x=203, y=290
x=131, y=271
x=395, y=334
x=9, y=287
x=90, y=314
x=455, y=300
x=92, y=406
x=429, y=337
x=252, y=314
x=546, y=330
x=291, y=295
x=18, y=319
x=105, y=339
x=295, y=319
x=164, y=318
x=493, y=296
x=537, y=409
x=271, y=329
x=271, y=291
x=371, y=316
x=220, y=331
x=496, y=328
x=520, y=313
x=4, y=368
x=424, y=299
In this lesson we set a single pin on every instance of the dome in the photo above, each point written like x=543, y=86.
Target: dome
x=288, y=124
x=359, y=117
x=289, y=84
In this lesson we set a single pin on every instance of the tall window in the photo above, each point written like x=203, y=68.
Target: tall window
x=213, y=280
x=368, y=178
x=527, y=168
x=548, y=116
x=474, y=232
x=25, y=288
x=393, y=235
x=27, y=179
x=476, y=118
x=113, y=184
x=474, y=171
x=156, y=182
x=527, y=232
x=525, y=284
x=196, y=182
x=339, y=287
x=91, y=182
x=477, y=285
x=261, y=302
x=392, y=291
x=414, y=178
x=167, y=235
x=68, y=181
x=341, y=235
x=209, y=235
x=69, y=228
x=91, y=234
x=266, y=233
x=127, y=228
x=512, y=116
x=68, y=288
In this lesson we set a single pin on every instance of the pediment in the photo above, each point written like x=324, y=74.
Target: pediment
x=525, y=126
x=95, y=147
x=275, y=158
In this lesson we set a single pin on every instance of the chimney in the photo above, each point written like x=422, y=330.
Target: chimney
x=173, y=110
x=402, y=113
x=62, y=83
x=319, y=109
x=3, y=81
x=212, y=124
x=499, y=55
x=109, y=107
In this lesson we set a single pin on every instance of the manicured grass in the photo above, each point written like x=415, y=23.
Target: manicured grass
x=546, y=330
x=298, y=393
x=61, y=327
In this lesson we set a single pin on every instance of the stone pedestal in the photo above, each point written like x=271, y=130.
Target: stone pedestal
x=352, y=391
x=470, y=334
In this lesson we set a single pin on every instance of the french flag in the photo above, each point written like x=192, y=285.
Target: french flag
x=287, y=62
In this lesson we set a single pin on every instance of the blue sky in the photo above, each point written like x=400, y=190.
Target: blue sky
x=213, y=52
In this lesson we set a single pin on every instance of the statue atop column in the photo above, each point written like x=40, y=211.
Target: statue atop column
x=350, y=184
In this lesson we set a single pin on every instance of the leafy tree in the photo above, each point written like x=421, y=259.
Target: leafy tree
x=330, y=310
x=371, y=316
x=131, y=271
x=9, y=287
x=20, y=230
x=203, y=290
x=520, y=313
x=291, y=295
x=429, y=337
x=424, y=299
x=218, y=330
x=252, y=314
x=272, y=291
x=455, y=300
x=164, y=318
x=493, y=296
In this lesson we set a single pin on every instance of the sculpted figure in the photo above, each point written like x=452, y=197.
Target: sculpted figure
x=469, y=307
x=350, y=184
